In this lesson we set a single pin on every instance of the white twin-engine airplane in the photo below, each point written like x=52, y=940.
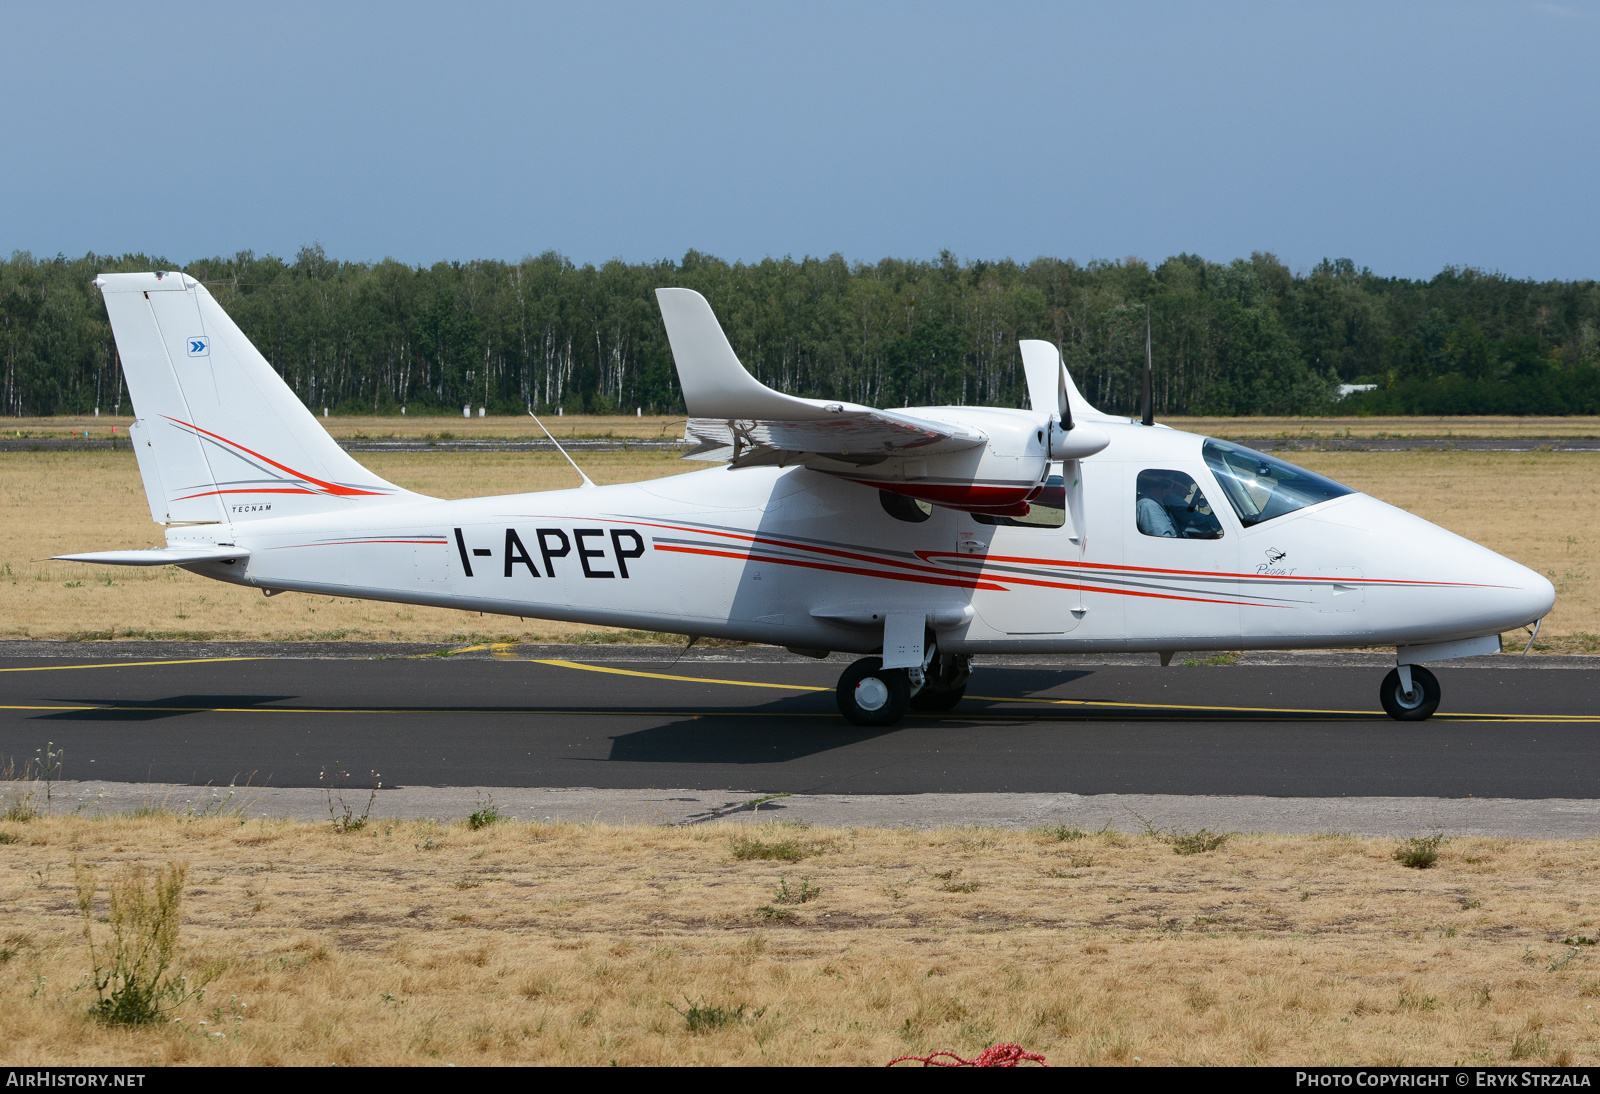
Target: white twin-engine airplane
x=917, y=537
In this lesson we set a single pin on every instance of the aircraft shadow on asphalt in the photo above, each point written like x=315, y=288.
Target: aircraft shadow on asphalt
x=794, y=727
x=150, y=710
x=738, y=737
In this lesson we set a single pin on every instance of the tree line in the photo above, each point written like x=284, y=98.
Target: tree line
x=1245, y=337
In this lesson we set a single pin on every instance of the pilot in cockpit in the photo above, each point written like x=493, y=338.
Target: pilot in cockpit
x=1171, y=506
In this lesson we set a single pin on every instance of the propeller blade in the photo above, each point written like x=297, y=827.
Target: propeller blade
x=1064, y=404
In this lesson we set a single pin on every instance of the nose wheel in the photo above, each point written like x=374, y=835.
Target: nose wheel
x=1415, y=705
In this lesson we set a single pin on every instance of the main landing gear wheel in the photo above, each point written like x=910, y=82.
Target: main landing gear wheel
x=946, y=683
x=1413, y=706
x=870, y=695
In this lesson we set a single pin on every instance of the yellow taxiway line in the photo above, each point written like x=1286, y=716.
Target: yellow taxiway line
x=130, y=664
x=667, y=676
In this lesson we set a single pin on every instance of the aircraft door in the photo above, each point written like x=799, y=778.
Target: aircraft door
x=1032, y=559
x=1180, y=577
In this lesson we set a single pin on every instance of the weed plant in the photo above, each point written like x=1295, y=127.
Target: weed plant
x=1419, y=852
x=486, y=814
x=342, y=815
x=21, y=800
x=703, y=1017
x=802, y=894
x=1063, y=833
x=783, y=850
x=132, y=969
x=1196, y=843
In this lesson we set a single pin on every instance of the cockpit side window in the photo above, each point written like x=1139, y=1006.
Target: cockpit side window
x=1260, y=487
x=1171, y=505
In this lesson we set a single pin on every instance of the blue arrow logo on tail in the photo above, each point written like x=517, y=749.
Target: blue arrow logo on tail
x=199, y=346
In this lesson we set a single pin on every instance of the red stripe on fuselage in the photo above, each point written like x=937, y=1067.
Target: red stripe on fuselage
x=960, y=583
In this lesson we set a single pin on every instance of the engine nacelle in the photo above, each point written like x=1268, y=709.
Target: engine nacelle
x=1081, y=440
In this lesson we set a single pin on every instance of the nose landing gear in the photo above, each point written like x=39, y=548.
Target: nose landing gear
x=1414, y=704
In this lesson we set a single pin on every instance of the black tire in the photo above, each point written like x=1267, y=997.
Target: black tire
x=1416, y=707
x=936, y=699
x=947, y=683
x=868, y=682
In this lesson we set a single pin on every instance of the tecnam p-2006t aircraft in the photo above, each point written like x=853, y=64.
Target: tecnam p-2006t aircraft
x=915, y=537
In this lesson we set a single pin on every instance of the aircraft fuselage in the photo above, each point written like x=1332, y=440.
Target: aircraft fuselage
x=800, y=558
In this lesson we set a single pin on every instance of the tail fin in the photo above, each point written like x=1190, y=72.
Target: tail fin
x=219, y=435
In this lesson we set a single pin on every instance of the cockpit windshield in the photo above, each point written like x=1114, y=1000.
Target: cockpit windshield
x=1260, y=487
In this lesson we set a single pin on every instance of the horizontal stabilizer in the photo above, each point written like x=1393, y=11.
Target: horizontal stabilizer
x=158, y=556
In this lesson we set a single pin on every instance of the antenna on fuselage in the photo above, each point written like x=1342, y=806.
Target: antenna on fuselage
x=586, y=481
x=1148, y=415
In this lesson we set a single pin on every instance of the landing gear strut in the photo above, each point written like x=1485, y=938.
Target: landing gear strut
x=946, y=682
x=1412, y=705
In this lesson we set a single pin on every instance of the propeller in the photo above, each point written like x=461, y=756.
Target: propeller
x=1148, y=412
x=1049, y=394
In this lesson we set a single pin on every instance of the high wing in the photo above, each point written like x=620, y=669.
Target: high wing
x=735, y=416
x=850, y=436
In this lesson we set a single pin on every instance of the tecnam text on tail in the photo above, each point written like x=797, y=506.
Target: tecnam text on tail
x=916, y=537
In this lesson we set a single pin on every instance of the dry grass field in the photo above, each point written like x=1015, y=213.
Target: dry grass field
x=54, y=502
x=418, y=427
x=1462, y=427
x=415, y=943
x=1541, y=508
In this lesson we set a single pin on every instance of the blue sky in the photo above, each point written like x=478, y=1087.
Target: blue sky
x=1407, y=136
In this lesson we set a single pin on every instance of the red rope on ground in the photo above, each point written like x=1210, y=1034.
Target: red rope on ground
x=993, y=1056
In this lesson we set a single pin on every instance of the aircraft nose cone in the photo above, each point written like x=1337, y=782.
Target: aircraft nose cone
x=1535, y=594
x=1508, y=595
x=1436, y=585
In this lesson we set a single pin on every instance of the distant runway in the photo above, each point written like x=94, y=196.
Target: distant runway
x=615, y=720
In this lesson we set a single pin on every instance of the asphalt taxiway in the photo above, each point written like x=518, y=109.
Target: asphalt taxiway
x=622, y=720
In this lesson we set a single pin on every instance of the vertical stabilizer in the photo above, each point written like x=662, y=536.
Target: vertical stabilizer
x=219, y=435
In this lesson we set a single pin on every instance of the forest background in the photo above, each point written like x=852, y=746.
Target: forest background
x=1248, y=337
